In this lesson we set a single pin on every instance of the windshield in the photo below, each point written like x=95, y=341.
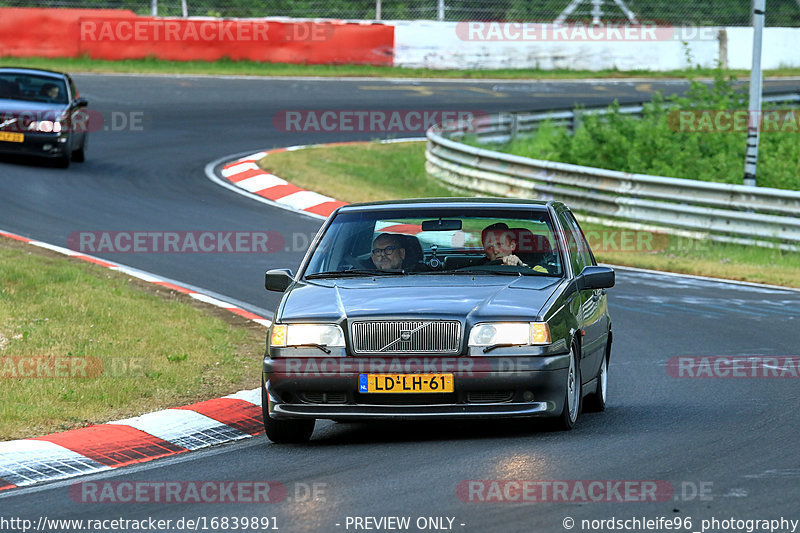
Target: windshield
x=15, y=86
x=445, y=240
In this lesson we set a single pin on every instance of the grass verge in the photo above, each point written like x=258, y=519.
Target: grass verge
x=373, y=171
x=229, y=67
x=97, y=345
x=361, y=172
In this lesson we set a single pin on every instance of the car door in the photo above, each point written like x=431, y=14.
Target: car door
x=586, y=302
x=595, y=310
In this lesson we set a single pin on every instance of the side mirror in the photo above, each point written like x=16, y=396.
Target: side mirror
x=81, y=102
x=596, y=277
x=278, y=279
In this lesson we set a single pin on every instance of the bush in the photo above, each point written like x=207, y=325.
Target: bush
x=650, y=144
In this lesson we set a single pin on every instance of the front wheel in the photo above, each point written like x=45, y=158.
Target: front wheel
x=284, y=431
x=79, y=155
x=62, y=161
x=572, y=400
x=596, y=402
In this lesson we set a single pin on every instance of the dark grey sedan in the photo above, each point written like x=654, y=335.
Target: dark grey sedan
x=42, y=115
x=439, y=308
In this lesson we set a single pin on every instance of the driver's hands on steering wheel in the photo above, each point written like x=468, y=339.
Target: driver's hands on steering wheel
x=512, y=260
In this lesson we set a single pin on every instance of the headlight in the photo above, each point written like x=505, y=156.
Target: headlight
x=511, y=333
x=329, y=335
x=45, y=126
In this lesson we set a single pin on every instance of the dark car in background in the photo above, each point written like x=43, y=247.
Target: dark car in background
x=449, y=333
x=42, y=115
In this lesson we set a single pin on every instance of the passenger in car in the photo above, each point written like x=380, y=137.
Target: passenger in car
x=388, y=252
x=499, y=244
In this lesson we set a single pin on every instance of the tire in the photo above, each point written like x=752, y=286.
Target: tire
x=79, y=155
x=284, y=431
x=596, y=402
x=62, y=161
x=573, y=394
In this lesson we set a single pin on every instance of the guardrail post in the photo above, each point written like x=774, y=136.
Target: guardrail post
x=514, y=127
x=576, y=121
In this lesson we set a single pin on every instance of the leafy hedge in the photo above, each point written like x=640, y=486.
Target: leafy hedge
x=651, y=144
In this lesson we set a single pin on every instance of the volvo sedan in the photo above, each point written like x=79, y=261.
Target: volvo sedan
x=42, y=115
x=439, y=308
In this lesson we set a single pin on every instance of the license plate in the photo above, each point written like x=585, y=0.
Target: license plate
x=11, y=137
x=405, y=383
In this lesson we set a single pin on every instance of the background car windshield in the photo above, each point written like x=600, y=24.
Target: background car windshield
x=34, y=88
x=348, y=242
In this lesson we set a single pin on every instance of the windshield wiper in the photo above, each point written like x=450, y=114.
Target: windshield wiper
x=505, y=345
x=354, y=273
x=323, y=347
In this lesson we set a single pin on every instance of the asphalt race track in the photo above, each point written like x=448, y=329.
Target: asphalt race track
x=726, y=448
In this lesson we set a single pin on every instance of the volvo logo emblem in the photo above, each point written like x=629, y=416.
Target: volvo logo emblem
x=405, y=336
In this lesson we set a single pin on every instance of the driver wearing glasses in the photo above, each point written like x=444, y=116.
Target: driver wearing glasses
x=388, y=252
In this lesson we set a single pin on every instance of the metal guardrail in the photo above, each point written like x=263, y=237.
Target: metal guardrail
x=723, y=212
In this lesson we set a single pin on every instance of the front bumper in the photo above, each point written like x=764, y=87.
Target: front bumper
x=38, y=144
x=484, y=387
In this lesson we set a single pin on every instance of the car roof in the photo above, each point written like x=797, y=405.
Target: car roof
x=34, y=71
x=463, y=202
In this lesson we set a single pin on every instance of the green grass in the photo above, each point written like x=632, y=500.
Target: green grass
x=122, y=346
x=254, y=68
x=372, y=171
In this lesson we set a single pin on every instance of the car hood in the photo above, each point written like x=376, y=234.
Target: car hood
x=427, y=296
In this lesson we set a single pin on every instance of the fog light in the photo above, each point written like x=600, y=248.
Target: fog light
x=47, y=147
x=527, y=396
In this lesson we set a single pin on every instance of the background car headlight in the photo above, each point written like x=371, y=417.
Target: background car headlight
x=307, y=334
x=45, y=126
x=519, y=333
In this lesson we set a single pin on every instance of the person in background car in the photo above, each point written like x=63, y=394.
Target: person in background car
x=388, y=252
x=49, y=90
